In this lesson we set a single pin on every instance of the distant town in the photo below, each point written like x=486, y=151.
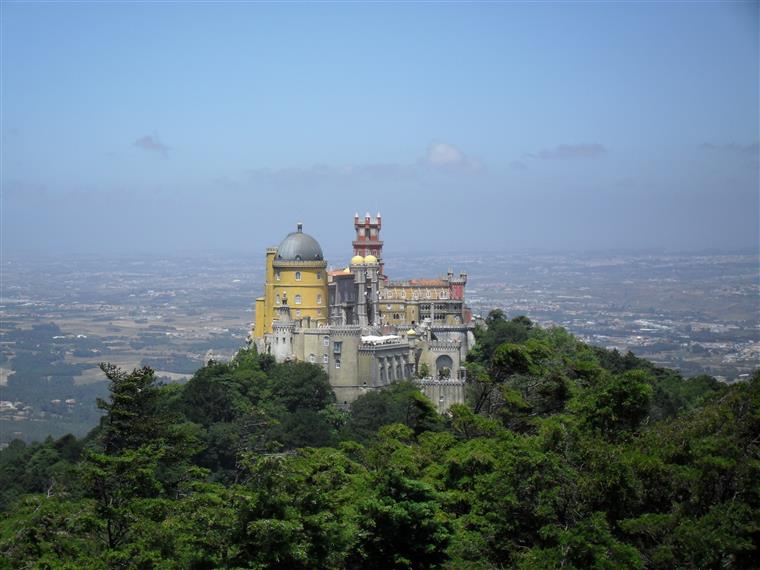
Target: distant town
x=61, y=317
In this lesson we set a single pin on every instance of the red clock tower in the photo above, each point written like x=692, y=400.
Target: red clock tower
x=367, y=240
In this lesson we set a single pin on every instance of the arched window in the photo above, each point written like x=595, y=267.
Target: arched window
x=277, y=298
x=319, y=275
x=277, y=275
x=298, y=299
x=298, y=275
x=319, y=299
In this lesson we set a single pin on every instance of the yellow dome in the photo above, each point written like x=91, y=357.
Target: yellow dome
x=370, y=259
x=411, y=332
x=357, y=260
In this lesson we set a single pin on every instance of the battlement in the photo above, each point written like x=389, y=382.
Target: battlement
x=430, y=381
x=444, y=345
x=367, y=221
x=345, y=330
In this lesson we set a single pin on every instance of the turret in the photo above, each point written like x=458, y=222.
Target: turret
x=282, y=332
x=457, y=285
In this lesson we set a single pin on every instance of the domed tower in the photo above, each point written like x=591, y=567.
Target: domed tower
x=295, y=274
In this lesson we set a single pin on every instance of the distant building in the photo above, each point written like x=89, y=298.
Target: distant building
x=365, y=330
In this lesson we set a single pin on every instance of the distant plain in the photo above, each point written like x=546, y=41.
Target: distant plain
x=699, y=313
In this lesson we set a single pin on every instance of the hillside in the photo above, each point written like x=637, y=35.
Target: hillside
x=565, y=455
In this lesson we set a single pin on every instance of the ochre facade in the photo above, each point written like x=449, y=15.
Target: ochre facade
x=300, y=283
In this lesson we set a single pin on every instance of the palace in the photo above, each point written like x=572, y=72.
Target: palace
x=365, y=330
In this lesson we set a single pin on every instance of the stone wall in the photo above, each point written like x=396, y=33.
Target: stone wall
x=443, y=393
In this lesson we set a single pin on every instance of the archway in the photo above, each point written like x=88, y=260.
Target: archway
x=443, y=366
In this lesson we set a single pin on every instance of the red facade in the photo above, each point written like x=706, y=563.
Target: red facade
x=367, y=240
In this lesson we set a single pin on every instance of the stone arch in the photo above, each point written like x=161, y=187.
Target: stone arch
x=443, y=362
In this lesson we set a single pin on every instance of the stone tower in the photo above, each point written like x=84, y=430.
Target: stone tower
x=282, y=333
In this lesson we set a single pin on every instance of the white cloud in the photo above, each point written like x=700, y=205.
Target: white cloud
x=441, y=154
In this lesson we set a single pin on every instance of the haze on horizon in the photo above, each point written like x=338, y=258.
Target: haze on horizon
x=155, y=127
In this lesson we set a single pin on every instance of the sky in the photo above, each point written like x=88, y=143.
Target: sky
x=180, y=127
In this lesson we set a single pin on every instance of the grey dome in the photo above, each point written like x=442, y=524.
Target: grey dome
x=298, y=246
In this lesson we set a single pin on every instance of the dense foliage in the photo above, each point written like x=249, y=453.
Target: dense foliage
x=564, y=456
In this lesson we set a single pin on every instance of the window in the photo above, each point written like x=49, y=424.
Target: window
x=427, y=293
x=319, y=312
x=298, y=275
x=298, y=299
x=389, y=307
x=277, y=298
x=319, y=275
x=298, y=312
x=324, y=358
x=312, y=358
x=319, y=299
x=337, y=363
x=403, y=294
x=337, y=346
x=389, y=294
x=325, y=341
x=277, y=275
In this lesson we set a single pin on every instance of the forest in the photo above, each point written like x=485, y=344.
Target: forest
x=564, y=456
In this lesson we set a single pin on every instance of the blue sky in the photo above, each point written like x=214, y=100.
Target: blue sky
x=503, y=126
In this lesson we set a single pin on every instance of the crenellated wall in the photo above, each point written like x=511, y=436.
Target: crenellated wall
x=443, y=393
